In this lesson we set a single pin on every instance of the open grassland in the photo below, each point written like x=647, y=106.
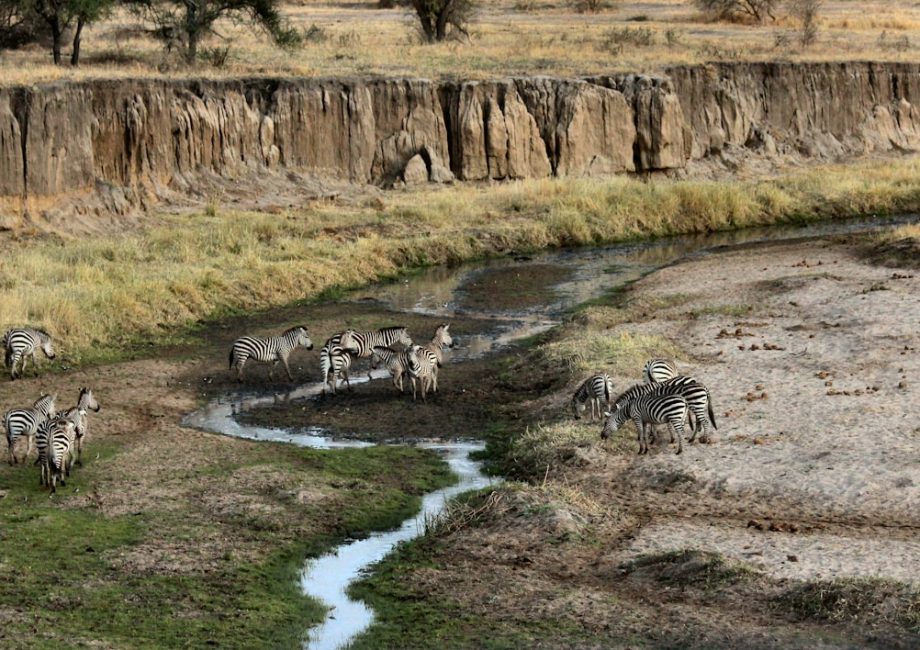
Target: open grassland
x=507, y=37
x=155, y=282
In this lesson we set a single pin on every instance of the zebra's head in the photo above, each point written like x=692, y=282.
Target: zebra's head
x=46, y=344
x=612, y=422
x=347, y=341
x=404, y=337
x=378, y=356
x=86, y=401
x=303, y=339
x=45, y=404
x=443, y=337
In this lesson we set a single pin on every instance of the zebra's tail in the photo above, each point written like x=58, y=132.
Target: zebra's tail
x=712, y=416
x=231, y=358
x=325, y=363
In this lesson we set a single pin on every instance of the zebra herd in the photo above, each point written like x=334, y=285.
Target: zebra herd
x=58, y=436
x=418, y=364
x=665, y=397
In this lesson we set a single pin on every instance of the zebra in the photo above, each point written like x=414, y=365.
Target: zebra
x=25, y=422
x=334, y=362
x=658, y=370
x=696, y=394
x=272, y=349
x=421, y=368
x=21, y=343
x=431, y=355
x=594, y=389
x=400, y=364
x=361, y=344
x=85, y=402
x=649, y=410
x=61, y=434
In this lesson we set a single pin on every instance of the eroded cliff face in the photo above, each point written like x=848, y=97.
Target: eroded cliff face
x=116, y=146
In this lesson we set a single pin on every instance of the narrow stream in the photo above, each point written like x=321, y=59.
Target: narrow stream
x=443, y=292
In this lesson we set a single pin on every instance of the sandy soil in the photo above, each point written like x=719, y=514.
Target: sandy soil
x=813, y=474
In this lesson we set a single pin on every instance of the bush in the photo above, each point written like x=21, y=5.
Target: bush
x=807, y=12
x=757, y=10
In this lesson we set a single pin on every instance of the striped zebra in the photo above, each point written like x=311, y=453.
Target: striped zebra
x=422, y=365
x=21, y=344
x=594, y=389
x=647, y=411
x=334, y=363
x=361, y=344
x=400, y=364
x=273, y=349
x=77, y=416
x=658, y=370
x=25, y=423
x=431, y=355
x=61, y=434
x=696, y=394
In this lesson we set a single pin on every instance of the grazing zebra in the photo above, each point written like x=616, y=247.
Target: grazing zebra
x=25, y=422
x=696, y=394
x=658, y=370
x=334, y=362
x=61, y=434
x=272, y=349
x=400, y=364
x=21, y=343
x=647, y=411
x=594, y=389
x=432, y=354
x=362, y=344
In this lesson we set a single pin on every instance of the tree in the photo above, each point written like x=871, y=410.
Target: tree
x=30, y=20
x=736, y=9
x=187, y=22
x=440, y=19
x=86, y=12
x=807, y=12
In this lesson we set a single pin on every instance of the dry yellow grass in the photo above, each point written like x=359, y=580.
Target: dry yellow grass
x=102, y=291
x=352, y=37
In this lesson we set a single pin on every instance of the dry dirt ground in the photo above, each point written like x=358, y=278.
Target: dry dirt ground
x=798, y=526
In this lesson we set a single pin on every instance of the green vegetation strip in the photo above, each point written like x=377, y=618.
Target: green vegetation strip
x=153, y=283
x=70, y=575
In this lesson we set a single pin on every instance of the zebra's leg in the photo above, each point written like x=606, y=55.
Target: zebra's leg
x=10, y=442
x=271, y=371
x=347, y=380
x=240, y=362
x=287, y=369
x=678, y=427
x=14, y=361
x=28, y=447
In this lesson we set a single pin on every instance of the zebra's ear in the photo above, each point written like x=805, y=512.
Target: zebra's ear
x=606, y=414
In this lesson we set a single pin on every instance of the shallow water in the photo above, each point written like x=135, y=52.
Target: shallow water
x=440, y=291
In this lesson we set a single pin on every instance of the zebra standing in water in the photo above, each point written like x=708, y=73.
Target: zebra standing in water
x=594, y=389
x=400, y=364
x=649, y=410
x=658, y=370
x=21, y=343
x=695, y=393
x=273, y=349
x=334, y=362
x=25, y=422
x=362, y=344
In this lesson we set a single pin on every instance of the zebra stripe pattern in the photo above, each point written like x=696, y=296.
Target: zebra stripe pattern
x=694, y=392
x=76, y=415
x=20, y=344
x=431, y=355
x=61, y=436
x=273, y=349
x=422, y=365
x=400, y=364
x=594, y=389
x=334, y=363
x=658, y=370
x=25, y=423
x=362, y=344
x=647, y=411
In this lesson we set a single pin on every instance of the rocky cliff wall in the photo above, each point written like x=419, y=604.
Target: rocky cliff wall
x=117, y=145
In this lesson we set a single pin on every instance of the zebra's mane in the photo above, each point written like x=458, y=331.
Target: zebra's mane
x=291, y=330
x=392, y=329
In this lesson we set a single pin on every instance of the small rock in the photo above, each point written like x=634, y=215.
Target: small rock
x=902, y=384
x=792, y=558
x=416, y=171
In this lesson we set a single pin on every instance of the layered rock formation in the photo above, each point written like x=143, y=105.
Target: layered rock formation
x=119, y=145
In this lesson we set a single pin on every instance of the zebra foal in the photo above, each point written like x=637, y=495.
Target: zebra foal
x=647, y=411
x=25, y=423
x=400, y=364
x=272, y=349
x=20, y=344
x=594, y=389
